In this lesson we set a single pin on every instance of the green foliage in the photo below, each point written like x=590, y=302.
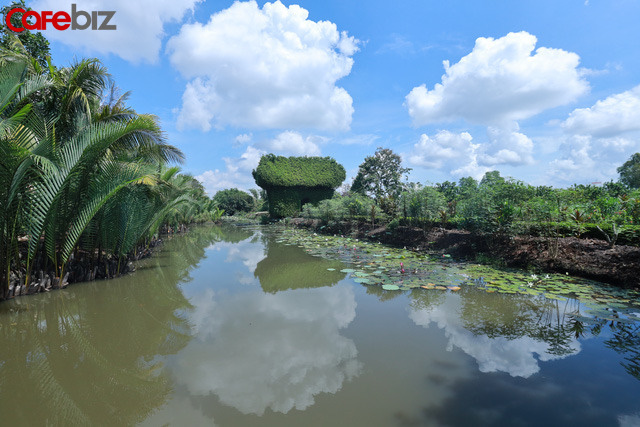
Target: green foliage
x=381, y=176
x=340, y=208
x=292, y=182
x=501, y=206
x=426, y=203
x=234, y=201
x=80, y=170
x=630, y=172
x=278, y=171
x=30, y=44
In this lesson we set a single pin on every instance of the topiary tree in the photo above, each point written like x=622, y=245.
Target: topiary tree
x=291, y=182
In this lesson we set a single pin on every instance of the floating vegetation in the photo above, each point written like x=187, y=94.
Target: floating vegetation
x=396, y=269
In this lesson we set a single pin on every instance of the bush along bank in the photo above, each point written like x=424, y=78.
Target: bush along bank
x=587, y=257
x=85, y=267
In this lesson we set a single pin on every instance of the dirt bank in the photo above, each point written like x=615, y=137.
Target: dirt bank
x=589, y=258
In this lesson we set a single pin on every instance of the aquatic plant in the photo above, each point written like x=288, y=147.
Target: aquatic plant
x=394, y=269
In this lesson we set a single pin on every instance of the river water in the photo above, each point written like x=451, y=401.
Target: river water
x=228, y=326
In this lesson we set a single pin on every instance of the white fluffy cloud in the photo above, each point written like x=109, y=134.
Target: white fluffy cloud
x=612, y=116
x=264, y=68
x=443, y=149
x=460, y=156
x=454, y=153
x=293, y=144
x=501, y=80
x=140, y=26
x=599, y=139
x=507, y=146
x=237, y=172
x=584, y=159
x=257, y=351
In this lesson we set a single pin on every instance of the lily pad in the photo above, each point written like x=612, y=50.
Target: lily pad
x=390, y=287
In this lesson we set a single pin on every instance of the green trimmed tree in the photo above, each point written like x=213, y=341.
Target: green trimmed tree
x=291, y=182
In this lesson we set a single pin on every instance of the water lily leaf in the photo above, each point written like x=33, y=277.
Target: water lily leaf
x=390, y=287
x=362, y=280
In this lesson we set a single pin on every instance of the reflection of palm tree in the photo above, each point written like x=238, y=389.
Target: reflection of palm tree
x=77, y=373
x=626, y=341
x=69, y=362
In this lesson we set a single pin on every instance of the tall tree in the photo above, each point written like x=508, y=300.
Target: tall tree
x=630, y=172
x=380, y=175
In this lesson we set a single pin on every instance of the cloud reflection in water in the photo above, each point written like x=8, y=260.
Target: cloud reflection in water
x=257, y=351
x=517, y=357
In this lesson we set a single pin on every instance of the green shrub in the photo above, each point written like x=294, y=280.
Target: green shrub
x=233, y=201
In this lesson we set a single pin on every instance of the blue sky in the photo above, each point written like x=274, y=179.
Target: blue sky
x=547, y=92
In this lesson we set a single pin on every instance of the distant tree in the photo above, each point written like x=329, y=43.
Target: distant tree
x=35, y=44
x=448, y=190
x=467, y=186
x=380, y=175
x=630, y=172
x=233, y=201
x=615, y=189
x=492, y=178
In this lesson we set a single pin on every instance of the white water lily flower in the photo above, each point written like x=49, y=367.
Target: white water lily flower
x=534, y=277
x=530, y=284
x=546, y=276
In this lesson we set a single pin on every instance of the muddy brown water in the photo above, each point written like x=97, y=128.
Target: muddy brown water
x=227, y=327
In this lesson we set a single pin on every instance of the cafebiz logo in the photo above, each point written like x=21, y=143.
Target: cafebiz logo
x=77, y=20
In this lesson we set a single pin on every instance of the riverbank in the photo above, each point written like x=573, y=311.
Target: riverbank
x=82, y=267
x=590, y=258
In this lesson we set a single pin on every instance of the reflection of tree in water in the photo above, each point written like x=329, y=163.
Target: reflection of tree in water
x=290, y=267
x=382, y=294
x=513, y=316
x=426, y=300
x=626, y=341
x=88, y=355
x=235, y=233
